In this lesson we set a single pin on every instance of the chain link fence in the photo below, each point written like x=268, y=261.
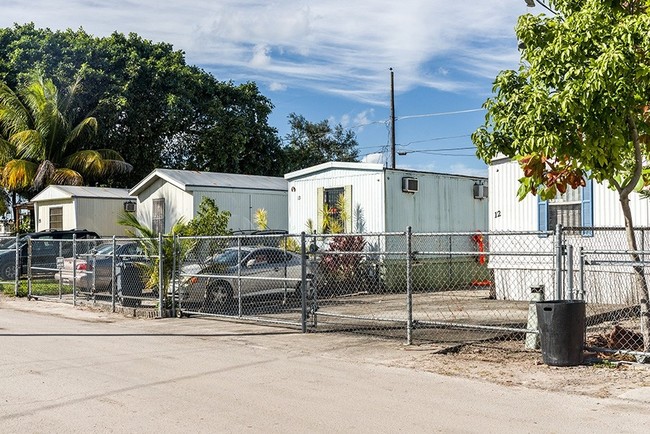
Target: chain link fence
x=450, y=288
x=114, y=272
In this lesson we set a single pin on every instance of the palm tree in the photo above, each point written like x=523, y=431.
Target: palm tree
x=43, y=142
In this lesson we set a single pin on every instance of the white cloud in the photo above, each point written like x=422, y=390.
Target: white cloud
x=277, y=87
x=332, y=46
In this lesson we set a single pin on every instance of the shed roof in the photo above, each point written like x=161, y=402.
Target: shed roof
x=331, y=165
x=189, y=180
x=53, y=192
x=365, y=167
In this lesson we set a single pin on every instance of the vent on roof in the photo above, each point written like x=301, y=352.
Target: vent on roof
x=409, y=185
x=129, y=206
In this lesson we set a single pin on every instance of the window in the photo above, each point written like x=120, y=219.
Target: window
x=333, y=209
x=158, y=218
x=56, y=218
x=571, y=209
x=330, y=202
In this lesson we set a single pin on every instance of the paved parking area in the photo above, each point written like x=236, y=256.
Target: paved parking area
x=75, y=370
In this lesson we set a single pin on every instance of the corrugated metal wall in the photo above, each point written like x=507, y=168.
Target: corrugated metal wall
x=42, y=214
x=507, y=213
x=177, y=203
x=243, y=205
x=367, y=198
x=100, y=215
x=443, y=203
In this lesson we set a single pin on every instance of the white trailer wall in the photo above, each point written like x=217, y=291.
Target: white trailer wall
x=366, y=201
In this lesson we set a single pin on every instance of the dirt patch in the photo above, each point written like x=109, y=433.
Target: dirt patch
x=508, y=363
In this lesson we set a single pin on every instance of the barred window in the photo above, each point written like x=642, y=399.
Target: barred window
x=566, y=209
x=158, y=216
x=56, y=218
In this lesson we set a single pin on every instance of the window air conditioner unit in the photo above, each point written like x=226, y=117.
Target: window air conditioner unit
x=480, y=191
x=129, y=206
x=409, y=185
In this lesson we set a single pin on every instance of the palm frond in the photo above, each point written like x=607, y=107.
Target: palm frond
x=65, y=176
x=134, y=227
x=7, y=151
x=28, y=144
x=92, y=162
x=84, y=129
x=18, y=174
x=262, y=219
x=14, y=116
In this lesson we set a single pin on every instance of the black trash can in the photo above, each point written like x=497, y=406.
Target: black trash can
x=561, y=324
x=130, y=283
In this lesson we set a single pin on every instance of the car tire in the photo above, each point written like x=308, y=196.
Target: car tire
x=218, y=298
x=310, y=289
x=7, y=271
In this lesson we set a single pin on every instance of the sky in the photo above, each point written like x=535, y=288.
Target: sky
x=331, y=59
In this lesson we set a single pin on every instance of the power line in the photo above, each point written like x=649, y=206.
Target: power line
x=427, y=115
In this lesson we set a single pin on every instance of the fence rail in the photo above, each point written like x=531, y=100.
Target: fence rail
x=433, y=287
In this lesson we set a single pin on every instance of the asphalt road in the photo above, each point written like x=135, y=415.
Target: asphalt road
x=80, y=371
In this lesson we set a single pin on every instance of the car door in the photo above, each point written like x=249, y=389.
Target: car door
x=258, y=269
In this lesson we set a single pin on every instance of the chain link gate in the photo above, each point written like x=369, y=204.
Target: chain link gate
x=253, y=277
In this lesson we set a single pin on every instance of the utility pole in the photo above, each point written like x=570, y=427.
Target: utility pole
x=392, y=119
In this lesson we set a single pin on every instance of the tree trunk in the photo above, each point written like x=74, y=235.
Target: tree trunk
x=639, y=274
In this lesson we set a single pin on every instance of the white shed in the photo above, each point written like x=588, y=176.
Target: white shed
x=165, y=195
x=593, y=206
x=75, y=207
x=386, y=200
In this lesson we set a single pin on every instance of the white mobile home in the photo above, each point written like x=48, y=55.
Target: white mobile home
x=75, y=207
x=165, y=195
x=386, y=200
x=593, y=206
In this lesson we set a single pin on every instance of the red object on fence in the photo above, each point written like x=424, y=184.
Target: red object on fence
x=478, y=239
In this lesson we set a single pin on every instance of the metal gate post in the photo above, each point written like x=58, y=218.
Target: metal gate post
x=175, y=247
x=558, y=262
x=569, y=270
x=74, y=269
x=303, y=281
x=409, y=295
x=60, y=269
x=113, y=273
x=160, y=275
x=581, y=272
x=17, y=266
x=29, y=268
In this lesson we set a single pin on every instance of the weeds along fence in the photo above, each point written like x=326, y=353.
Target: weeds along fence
x=421, y=287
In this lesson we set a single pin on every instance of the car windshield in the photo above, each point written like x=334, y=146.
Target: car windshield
x=104, y=249
x=228, y=257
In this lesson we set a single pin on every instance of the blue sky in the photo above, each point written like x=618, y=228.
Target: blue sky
x=330, y=59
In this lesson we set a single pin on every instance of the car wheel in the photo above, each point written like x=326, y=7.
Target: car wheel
x=310, y=289
x=218, y=297
x=7, y=271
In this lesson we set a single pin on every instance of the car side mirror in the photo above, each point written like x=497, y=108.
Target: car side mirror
x=250, y=262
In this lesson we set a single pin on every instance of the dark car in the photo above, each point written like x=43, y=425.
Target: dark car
x=47, y=246
x=96, y=267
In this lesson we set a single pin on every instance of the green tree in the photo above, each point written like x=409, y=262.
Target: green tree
x=45, y=140
x=312, y=143
x=578, y=107
x=154, y=109
x=209, y=220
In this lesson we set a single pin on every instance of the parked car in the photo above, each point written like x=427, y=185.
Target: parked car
x=46, y=247
x=214, y=284
x=97, y=266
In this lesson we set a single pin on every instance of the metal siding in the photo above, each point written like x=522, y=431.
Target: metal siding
x=367, y=198
x=442, y=203
x=100, y=215
x=177, y=204
x=42, y=214
x=243, y=204
x=506, y=212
